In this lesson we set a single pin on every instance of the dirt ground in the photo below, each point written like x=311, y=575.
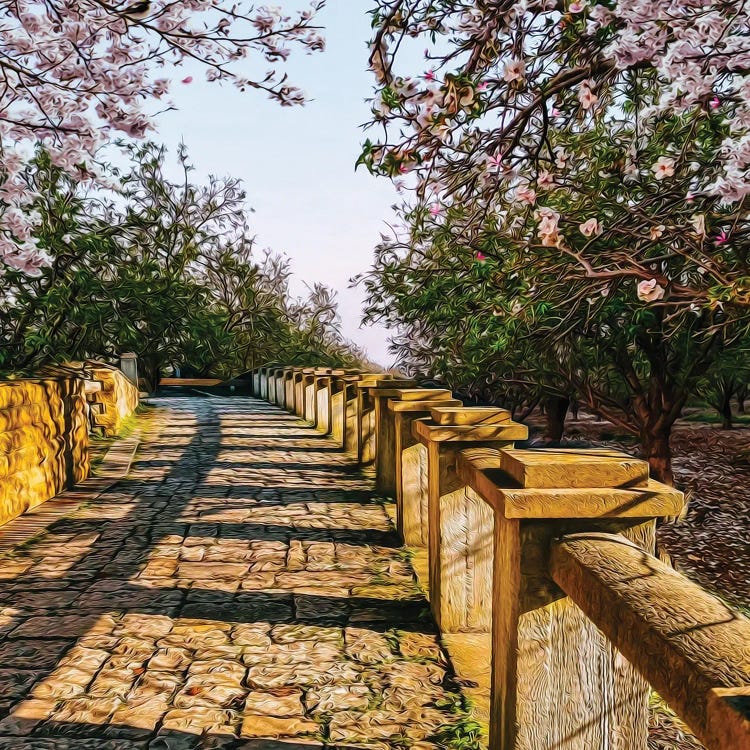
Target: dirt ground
x=711, y=543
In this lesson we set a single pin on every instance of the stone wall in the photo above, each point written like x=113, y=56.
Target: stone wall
x=112, y=398
x=43, y=441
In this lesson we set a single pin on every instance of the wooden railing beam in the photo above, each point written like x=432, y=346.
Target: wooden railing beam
x=556, y=680
x=688, y=644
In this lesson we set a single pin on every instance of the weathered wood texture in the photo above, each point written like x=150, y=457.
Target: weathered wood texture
x=309, y=412
x=323, y=406
x=351, y=418
x=260, y=384
x=279, y=388
x=368, y=411
x=689, y=645
x=299, y=393
x=411, y=470
x=386, y=452
x=460, y=525
x=413, y=506
x=338, y=412
x=288, y=395
x=465, y=416
x=365, y=428
x=557, y=680
x=560, y=469
x=43, y=441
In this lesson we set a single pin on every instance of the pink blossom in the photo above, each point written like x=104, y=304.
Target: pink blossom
x=97, y=70
x=495, y=162
x=525, y=194
x=715, y=103
x=483, y=86
x=663, y=167
x=649, y=290
x=586, y=95
x=545, y=179
x=721, y=238
x=429, y=75
x=561, y=157
x=481, y=257
x=589, y=227
x=436, y=209
x=576, y=7
x=548, y=227
x=515, y=70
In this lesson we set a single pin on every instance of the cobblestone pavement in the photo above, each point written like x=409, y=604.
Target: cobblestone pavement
x=241, y=588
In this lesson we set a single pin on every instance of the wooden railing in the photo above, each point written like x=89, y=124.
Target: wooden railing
x=546, y=554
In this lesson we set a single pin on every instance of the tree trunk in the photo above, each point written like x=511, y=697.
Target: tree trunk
x=657, y=451
x=556, y=407
x=726, y=410
x=741, y=396
x=574, y=406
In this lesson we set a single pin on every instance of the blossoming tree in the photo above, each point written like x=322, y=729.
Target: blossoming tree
x=513, y=92
x=165, y=268
x=76, y=73
x=596, y=155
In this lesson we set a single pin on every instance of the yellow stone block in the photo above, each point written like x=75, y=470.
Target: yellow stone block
x=651, y=501
x=417, y=406
x=426, y=432
x=469, y=415
x=413, y=394
x=573, y=468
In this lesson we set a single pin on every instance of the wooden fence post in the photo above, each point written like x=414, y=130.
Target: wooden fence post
x=263, y=391
x=556, y=680
x=367, y=414
x=460, y=525
x=337, y=405
x=385, y=429
x=298, y=407
x=411, y=469
x=278, y=392
x=287, y=402
x=323, y=401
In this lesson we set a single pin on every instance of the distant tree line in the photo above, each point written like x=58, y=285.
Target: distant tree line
x=167, y=269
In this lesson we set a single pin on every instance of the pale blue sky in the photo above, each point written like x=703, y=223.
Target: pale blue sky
x=298, y=163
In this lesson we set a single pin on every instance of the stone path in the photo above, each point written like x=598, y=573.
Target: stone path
x=242, y=588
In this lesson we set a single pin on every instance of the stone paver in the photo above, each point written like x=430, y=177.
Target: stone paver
x=242, y=588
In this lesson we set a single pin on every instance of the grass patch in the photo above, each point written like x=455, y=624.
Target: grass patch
x=99, y=445
x=712, y=417
x=464, y=734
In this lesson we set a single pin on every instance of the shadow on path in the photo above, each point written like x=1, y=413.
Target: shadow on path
x=213, y=599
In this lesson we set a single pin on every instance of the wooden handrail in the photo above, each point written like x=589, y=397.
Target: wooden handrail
x=688, y=644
